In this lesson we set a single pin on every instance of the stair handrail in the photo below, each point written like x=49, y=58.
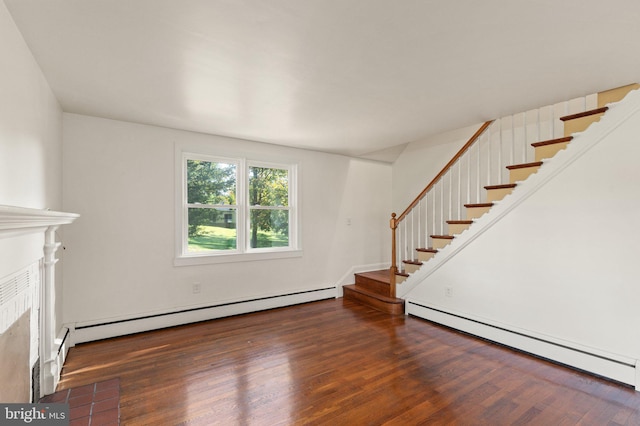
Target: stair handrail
x=393, y=223
x=446, y=168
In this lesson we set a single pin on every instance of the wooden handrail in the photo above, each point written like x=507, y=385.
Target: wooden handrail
x=455, y=158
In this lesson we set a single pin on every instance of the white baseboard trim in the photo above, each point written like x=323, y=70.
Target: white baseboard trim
x=88, y=333
x=614, y=367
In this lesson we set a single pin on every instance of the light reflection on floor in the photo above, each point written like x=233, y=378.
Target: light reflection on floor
x=261, y=376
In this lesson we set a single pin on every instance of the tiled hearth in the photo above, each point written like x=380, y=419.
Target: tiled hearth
x=97, y=404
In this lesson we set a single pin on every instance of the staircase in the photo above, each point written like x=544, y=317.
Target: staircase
x=543, y=150
x=377, y=289
x=374, y=290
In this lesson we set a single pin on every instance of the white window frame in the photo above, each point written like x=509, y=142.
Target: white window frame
x=243, y=251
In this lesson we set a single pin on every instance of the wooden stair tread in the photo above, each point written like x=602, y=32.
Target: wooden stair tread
x=503, y=186
x=387, y=299
x=584, y=114
x=390, y=305
x=444, y=237
x=427, y=250
x=459, y=222
x=479, y=205
x=402, y=274
x=382, y=275
x=552, y=141
x=412, y=262
x=525, y=165
x=375, y=281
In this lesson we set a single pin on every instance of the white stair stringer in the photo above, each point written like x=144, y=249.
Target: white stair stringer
x=617, y=114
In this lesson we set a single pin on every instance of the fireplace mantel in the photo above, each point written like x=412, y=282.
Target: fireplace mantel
x=16, y=221
x=20, y=220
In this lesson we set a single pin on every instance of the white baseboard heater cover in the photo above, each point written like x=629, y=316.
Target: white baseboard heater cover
x=105, y=330
x=614, y=367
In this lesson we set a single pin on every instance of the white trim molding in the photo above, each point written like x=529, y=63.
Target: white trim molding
x=20, y=220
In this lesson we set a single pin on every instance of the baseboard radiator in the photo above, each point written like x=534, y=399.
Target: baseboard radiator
x=81, y=333
x=614, y=367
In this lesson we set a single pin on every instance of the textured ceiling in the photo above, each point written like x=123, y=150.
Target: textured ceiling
x=359, y=78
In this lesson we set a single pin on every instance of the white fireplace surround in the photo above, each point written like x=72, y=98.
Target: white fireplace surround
x=18, y=221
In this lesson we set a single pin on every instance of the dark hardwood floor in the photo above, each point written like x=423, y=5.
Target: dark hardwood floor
x=337, y=363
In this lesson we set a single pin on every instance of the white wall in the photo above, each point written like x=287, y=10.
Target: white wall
x=30, y=137
x=30, y=130
x=562, y=264
x=421, y=161
x=30, y=161
x=30, y=142
x=119, y=259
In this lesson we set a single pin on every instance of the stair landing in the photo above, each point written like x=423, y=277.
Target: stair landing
x=372, y=289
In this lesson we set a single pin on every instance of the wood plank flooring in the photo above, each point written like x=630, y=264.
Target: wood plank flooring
x=338, y=363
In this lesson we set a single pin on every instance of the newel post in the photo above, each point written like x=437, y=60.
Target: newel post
x=393, y=223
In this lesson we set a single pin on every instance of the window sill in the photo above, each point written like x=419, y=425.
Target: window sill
x=208, y=259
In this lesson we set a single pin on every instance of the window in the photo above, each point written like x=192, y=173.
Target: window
x=268, y=207
x=211, y=205
x=236, y=207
